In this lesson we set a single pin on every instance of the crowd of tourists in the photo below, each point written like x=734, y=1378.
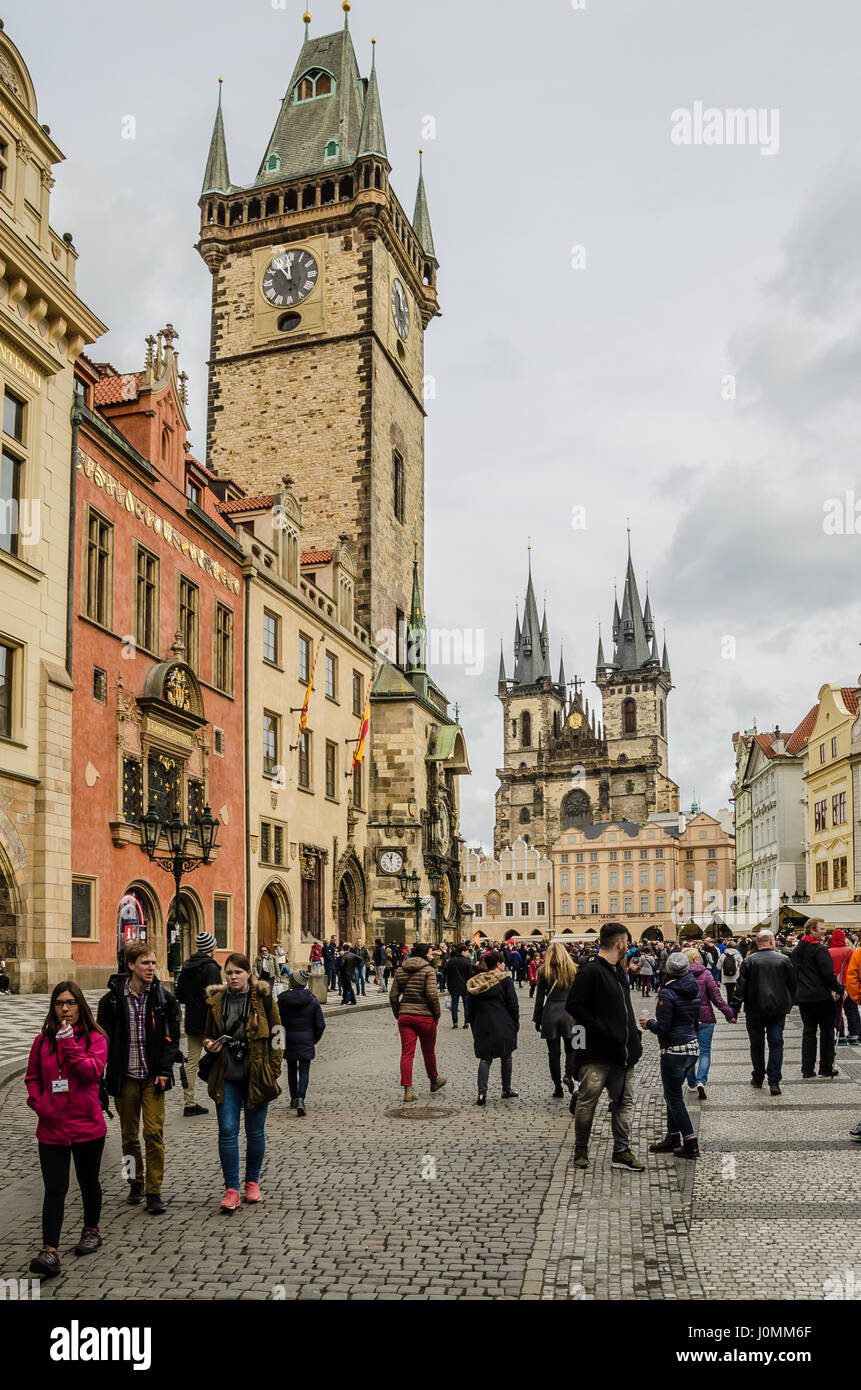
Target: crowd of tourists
x=245, y=1019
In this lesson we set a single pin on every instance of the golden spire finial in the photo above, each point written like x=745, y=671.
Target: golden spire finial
x=306, y=20
x=346, y=7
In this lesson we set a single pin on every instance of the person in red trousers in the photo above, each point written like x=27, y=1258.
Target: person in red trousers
x=414, y=998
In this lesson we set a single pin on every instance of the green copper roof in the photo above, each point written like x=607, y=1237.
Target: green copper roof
x=217, y=177
x=304, y=129
x=421, y=216
x=448, y=745
x=372, y=138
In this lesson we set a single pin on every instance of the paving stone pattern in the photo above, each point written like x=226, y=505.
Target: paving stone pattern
x=364, y=1206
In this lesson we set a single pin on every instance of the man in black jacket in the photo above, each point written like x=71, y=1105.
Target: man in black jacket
x=600, y=1002
x=766, y=988
x=198, y=972
x=817, y=991
x=460, y=969
x=348, y=963
x=141, y=1021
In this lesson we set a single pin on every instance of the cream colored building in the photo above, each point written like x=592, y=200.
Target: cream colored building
x=307, y=813
x=43, y=328
x=616, y=872
x=511, y=895
x=706, y=868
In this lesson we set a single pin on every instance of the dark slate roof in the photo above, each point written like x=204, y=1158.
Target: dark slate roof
x=372, y=138
x=302, y=130
x=592, y=832
x=632, y=629
x=530, y=661
x=421, y=216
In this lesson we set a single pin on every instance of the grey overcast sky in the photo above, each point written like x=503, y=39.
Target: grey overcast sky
x=601, y=386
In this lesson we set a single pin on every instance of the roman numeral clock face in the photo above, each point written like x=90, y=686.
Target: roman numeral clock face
x=400, y=309
x=289, y=278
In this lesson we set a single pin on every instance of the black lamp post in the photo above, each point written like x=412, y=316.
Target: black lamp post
x=178, y=863
x=409, y=885
x=797, y=897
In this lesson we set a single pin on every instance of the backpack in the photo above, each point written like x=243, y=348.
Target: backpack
x=730, y=966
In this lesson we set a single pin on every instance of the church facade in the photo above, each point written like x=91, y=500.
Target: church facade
x=565, y=766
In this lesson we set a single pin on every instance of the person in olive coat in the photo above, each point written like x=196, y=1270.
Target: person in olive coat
x=304, y=1025
x=494, y=1017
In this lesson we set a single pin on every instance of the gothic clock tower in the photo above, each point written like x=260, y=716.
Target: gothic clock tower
x=322, y=288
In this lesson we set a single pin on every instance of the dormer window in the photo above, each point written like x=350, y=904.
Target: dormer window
x=273, y=163
x=332, y=150
x=313, y=84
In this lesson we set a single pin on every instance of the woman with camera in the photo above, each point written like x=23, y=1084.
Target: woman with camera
x=241, y=1070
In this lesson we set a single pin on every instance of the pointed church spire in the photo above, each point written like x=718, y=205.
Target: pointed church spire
x=306, y=20
x=562, y=680
x=502, y=677
x=372, y=139
x=529, y=666
x=416, y=626
x=217, y=177
x=665, y=660
x=421, y=216
x=346, y=7
x=617, y=621
x=600, y=663
x=632, y=644
x=654, y=659
x=648, y=620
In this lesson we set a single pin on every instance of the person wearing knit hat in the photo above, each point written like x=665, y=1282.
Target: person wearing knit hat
x=199, y=972
x=848, y=1017
x=675, y=1022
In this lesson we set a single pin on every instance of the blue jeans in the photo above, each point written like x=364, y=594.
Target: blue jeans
x=704, y=1034
x=361, y=976
x=228, y=1135
x=297, y=1078
x=674, y=1069
x=455, y=1000
x=758, y=1028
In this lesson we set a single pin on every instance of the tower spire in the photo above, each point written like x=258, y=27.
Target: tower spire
x=372, y=139
x=421, y=216
x=346, y=7
x=306, y=20
x=416, y=627
x=217, y=177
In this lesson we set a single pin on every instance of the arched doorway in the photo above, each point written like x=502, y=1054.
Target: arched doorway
x=344, y=912
x=510, y=935
x=652, y=934
x=139, y=917
x=273, y=917
x=350, y=899
x=191, y=921
x=9, y=916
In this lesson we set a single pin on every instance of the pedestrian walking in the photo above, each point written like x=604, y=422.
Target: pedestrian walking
x=676, y=1017
x=600, y=1001
x=460, y=969
x=63, y=1077
x=348, y=964
x=817, y=990
x=848, y=1017
x=493, y=1015
x=242, y=1072
x=379, y=959
x=414, y=997
x=330, y=960
x=766, y=989
x=730, y=965
x=710, y=999
x=362, y=952
x=647, y=974
x=199, y=972
x=282, y=964
x=264, y=965
x=551, y=1017
x=304, y=1025
x=141, y=1022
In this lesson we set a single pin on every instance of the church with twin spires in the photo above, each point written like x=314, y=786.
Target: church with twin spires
x=565, y=765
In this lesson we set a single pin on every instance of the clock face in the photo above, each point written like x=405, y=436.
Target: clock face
x=400, y=309
x=575, y=720
x=391, y=862
x=290, y=277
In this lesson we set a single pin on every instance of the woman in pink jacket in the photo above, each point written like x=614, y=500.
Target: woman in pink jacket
x=66, y=1064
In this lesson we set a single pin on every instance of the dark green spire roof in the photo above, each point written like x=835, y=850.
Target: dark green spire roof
x=421, y=216
x=632, y=645
x=416, y=627
x=372, y=138
x=304, y=129
x=217, y=177
x=529, y=665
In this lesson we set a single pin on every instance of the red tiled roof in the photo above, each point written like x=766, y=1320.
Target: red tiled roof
x=317, y=557
x=113, y=389
x=797, y=740
x=764, y=741
x=850, y=698
x=246, y=504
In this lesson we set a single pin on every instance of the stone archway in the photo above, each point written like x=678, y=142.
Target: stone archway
x=10, y=915
x=273, y=918
x=350, y=898
x=191, y=921
x=652, y=934
x=138, y=914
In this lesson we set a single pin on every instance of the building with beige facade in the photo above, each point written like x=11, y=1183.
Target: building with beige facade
x=43, y=328
x=307, y=809
x=654, y=877
x=512, y=894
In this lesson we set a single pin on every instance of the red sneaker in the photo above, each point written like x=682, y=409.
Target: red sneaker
x=231, y=1201
x=252, y=1192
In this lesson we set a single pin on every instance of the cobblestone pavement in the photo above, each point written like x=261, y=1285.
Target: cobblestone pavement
x=474, y=1203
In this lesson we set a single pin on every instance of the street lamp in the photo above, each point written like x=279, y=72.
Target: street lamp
x=178, y=862
x=410, y=884
x=798, y=897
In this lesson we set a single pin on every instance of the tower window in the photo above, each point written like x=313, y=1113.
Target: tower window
x=662, y=719
x=526, y=729
x=273, y=163
x=524, y=816
x=332, y=150
x=400, y=487
x=629, y=716
x=629, y=785
x=315, y=83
